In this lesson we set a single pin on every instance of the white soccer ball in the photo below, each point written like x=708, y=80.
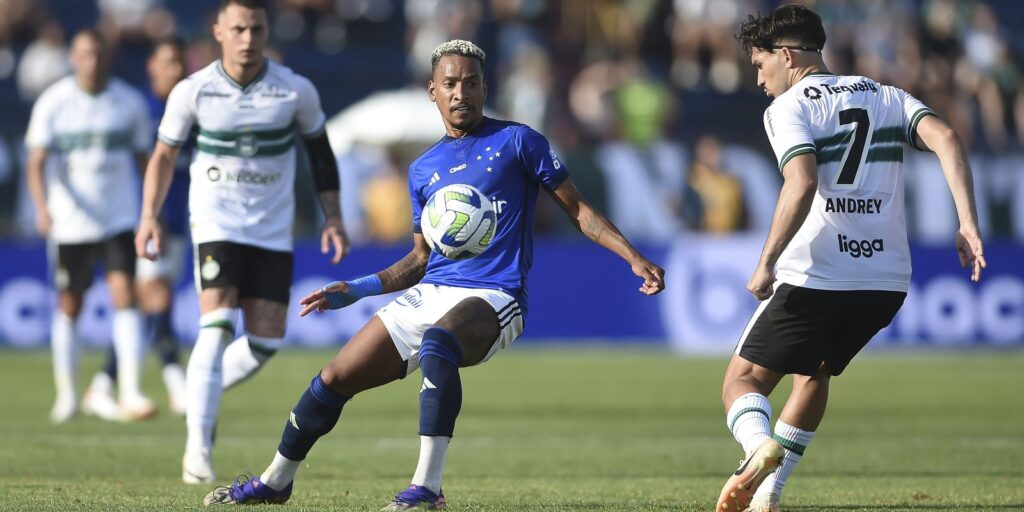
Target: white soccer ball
x=458, y=222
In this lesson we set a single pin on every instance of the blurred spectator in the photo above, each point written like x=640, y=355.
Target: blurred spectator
x=44, y=61
x=720, y=195
x=385, y=199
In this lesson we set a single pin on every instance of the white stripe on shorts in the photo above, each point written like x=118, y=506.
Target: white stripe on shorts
x=750, y=325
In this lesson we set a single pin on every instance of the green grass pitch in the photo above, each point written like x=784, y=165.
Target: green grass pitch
x=553, y=430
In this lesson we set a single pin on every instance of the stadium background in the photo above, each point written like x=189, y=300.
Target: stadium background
x=650, y=103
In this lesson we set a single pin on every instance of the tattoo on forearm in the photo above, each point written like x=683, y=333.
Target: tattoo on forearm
x=403, y=273
x=592, y=227
x=330, y=204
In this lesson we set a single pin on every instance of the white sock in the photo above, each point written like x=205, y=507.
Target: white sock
x=203, y=378
x=433, y=450
x=245, y=356
x=280, y=472
x=65, y=356
x=130, y=349
x=795, y=441
x=102, y=384
x=174, y=379
x=748, y=420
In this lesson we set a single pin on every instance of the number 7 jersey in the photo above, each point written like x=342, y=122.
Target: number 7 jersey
x=855, y=235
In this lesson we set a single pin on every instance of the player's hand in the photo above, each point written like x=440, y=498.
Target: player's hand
x=653, y=276
x=43, y=222
x=760, y=284
x=334, y=236
x=334, y=295
x=148, y=239
x=970, y=250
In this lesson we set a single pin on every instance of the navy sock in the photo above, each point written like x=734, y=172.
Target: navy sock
x=315, y=415
x=441, y=393
x=159, y=329
x=111, y=367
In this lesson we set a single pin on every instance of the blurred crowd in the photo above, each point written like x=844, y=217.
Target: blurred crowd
x=651, y=103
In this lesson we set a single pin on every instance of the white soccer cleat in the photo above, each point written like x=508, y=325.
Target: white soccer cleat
x=739, y=489
x=101, y=405
x=763, y=505
x=65, y=408
x=197, y=468
x=137, y=408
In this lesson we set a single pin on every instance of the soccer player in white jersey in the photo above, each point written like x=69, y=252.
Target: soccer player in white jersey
x=86, y=136
x=246, y=111
x=836, y=265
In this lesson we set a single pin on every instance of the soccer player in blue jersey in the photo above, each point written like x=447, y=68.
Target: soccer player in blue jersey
x=454, y=313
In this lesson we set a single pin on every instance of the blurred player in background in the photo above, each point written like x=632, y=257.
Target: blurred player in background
x=836, y=265
x=155, y=279
x=86, y=135
x=241, y=206
x=456, y=313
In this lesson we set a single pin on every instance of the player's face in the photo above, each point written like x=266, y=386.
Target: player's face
x=166, y=68
x=88, y=58
x=771, y=71
x=459, y=90
x=242, y=34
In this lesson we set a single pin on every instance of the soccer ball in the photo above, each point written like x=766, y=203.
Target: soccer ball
x=458, y=222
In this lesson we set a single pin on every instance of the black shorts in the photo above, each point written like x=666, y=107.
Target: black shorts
x=76, y=263
x=798, y=329
x=257, y=273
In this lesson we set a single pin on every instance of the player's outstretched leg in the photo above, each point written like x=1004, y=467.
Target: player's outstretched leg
x=748, y=416
x=368, y=360
x=440, y=402
x=794, y=430
x=203, y=386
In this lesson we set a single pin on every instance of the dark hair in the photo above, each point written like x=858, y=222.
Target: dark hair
x=248, y=4
x=174, y=42
x=789, y=23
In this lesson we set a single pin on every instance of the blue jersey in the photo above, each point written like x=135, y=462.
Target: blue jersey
x=508, y=162
x=175, y=211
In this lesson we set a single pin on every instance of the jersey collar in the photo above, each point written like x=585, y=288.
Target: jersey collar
x=259, y=76
x=471, y=133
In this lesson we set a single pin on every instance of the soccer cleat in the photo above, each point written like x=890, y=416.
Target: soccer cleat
x=766, y=505
x=196, y=468
x=137, y=408
x=65, y=408
x=417, y=497
x=246, y=490
x=740, y=487
x=101, y=405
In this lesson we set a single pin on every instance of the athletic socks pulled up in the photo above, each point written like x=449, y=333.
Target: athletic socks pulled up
x=245, y=356
x=795, y=441
x=748, y=420
x=203, y=378
x=440, y=402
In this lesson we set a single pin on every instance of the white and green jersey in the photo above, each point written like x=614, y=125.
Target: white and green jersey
x=243, y=171
x=91, y=172
x=855, y=236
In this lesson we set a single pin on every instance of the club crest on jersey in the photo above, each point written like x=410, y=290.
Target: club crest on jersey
x=812, y=93
x=247, y=145
x=210, y=269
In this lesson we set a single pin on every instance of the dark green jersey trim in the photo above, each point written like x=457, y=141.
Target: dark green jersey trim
x=66, y=142
x=835, y=140
x=912, y=127
x=799, y=149
x=250, y=151
x=232, y=135
x=885, y=154
x=888, y=134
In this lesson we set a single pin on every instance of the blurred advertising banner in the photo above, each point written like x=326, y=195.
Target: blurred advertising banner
x=580, y=293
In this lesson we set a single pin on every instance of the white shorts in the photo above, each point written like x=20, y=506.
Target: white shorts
x=167, y=266
x=410, y=315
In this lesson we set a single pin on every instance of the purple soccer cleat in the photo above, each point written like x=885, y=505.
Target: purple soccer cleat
x=246, y=491
x=417, y=497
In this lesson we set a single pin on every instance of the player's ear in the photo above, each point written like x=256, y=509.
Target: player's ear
x=485, y=89
x=430, y=90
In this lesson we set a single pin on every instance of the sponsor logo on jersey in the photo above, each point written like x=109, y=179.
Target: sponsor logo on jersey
x=274, y=92
x=554, y=159
x=851, y=205
x=215, y=174
x=812, y=93
x=457, y=168
x=410, y=298
x=862, y=86
x=858, y=248
x=213, y=94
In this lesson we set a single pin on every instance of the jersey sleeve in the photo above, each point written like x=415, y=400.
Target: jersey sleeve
x=788, y=132
x=540, y=160
x=913, y=112
x=416, y=198
x=40, y=125
x=179, y=115
x=309, y=117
